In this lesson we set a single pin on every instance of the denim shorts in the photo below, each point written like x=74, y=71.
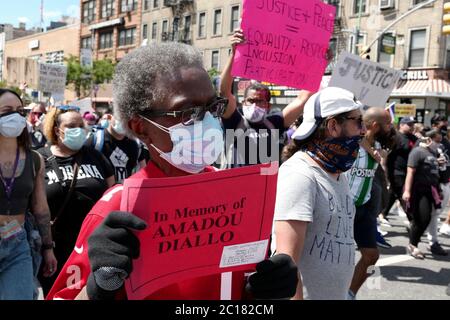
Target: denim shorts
x=16, y=269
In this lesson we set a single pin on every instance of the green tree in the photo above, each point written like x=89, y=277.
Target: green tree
x=83, y=77
x=78, y=76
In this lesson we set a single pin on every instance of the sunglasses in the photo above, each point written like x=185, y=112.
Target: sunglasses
x=359, y=121
x=68, y=108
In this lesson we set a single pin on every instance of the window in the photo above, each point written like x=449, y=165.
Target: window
x=89, y=11
x=106, y=40
x=356, y=6
x=127, y=37
x=417, y=48
x=175, y=26
x=154, y=30
x=86, y=43
x=144, y=31
x=202, y=25
x=333, y=48
x=165, y=30
x=234, y=23
x=128, y=5
x=107, y=8
x=187, y=28
x=215, y=59
x=415, y=2
x=447, y=63
x=55, y=57
x=337, y=5
x=146, y=4
x=155, y=4
x=217, y=26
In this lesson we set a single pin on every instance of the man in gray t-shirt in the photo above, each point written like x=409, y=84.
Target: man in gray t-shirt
x=314, y=211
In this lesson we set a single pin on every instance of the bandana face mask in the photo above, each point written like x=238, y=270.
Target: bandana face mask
x=335, y=155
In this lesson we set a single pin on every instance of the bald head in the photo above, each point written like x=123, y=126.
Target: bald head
x=376, y=115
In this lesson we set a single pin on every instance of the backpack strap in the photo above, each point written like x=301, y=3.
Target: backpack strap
x=36, y=163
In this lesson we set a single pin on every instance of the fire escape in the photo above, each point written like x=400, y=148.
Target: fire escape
x=182, y=20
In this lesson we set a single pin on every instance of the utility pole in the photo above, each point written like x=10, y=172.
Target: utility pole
x=407, y=13
x=42, y=16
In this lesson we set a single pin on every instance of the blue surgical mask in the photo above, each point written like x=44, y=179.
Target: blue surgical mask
x=117, y=127
x=104, y=123
x=74, y=138
x=195, y=146
x=12, y=125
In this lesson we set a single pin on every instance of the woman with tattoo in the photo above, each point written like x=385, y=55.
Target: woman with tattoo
x=22, y=188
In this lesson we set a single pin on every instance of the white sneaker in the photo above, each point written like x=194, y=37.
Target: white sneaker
x=445, y=229
x=384, y=222
x=383, y=233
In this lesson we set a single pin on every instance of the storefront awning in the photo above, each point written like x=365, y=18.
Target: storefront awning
x=422, y=88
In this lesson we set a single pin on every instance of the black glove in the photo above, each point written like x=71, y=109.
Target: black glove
x=275, y=278
x=112, y=246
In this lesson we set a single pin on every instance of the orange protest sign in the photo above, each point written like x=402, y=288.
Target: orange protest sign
x=199, y=225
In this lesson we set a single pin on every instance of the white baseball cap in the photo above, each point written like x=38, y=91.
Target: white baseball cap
x=328, y=102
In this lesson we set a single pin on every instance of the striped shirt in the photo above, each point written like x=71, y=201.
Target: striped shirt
x=361, y=175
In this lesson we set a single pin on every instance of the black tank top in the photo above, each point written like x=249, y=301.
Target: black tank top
x=22, y=189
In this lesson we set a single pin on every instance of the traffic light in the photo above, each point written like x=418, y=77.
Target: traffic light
x=446, y=19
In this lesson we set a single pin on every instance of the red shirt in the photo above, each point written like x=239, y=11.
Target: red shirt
x=74, y=274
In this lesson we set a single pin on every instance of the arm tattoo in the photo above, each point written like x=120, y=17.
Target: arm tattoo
x=43, y=224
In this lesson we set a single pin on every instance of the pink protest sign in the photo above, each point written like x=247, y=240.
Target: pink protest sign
x=286, y=42
x=199, y=225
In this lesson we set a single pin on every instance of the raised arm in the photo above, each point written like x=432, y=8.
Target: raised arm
x=226, y=80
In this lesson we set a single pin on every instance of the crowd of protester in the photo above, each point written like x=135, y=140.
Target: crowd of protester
x=343, y=169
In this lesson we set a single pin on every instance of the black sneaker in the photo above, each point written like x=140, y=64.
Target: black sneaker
x=436, y=249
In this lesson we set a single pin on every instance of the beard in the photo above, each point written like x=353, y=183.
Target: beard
x=386, y=138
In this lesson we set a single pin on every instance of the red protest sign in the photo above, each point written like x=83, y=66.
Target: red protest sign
x=286, y=42
x=199, y=225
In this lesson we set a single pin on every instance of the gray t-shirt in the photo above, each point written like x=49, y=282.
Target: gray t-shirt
x=305, y=192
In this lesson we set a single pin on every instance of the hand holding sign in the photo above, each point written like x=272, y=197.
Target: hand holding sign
x=237, y=38
x=275, y=278
x=112, y=246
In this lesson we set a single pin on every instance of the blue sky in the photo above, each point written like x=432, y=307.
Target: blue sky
x=29, y=11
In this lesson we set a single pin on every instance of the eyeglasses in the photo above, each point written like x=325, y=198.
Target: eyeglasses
x=359, y=121
x=190, y=115
x=37, y=114
x=68, y=108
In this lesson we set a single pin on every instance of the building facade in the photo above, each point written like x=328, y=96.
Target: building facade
x=46, y=47
x=111, y=28
x=417, y=45
x=205, y=24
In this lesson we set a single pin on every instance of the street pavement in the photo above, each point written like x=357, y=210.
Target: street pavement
x=398, y=276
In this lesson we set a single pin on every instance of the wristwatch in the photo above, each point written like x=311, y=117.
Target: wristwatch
x=48, y=246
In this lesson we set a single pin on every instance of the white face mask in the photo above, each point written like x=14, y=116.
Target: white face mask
x=195, y=146
x=12, y=124
x=253, y=113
